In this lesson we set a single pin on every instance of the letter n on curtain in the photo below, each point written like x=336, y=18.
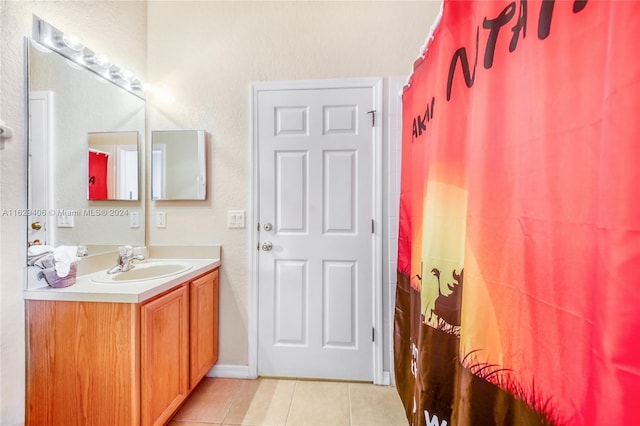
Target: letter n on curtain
x=518, y=296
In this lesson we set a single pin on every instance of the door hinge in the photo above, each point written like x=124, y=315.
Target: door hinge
x=373, y=229
x=373, y=117
x=373, y=334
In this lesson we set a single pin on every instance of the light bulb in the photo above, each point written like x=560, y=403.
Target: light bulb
x=115, y=74
x=73, y=42
x=136, y=85
x=126, y=75
x=89, y=59
x=102, y=61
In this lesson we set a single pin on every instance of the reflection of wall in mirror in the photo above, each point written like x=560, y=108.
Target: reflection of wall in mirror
x=178, y=165
x=180, y=171
x=158, y=176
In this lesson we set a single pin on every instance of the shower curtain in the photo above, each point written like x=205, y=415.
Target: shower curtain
x=98, y=171
x=518, y=291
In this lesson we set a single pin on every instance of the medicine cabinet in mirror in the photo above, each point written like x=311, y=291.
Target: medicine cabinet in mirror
x=113, y=166
x=178, y=165
x=76, y=114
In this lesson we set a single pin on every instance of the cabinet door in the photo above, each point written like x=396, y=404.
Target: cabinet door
x=164, y=362
x=204, y=325
x=81, y=363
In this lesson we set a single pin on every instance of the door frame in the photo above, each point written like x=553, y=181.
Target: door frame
x=46, y=151
x=376, y=84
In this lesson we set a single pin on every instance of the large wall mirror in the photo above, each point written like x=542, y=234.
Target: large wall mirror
x=79, y=122
x=178, y=165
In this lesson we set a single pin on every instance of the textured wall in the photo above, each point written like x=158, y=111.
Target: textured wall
x=208, y=54
x=115, y=28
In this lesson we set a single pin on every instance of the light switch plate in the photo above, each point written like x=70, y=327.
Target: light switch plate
x=161, y=219
x=134, y=219
x=65, y=221
x=235, y=219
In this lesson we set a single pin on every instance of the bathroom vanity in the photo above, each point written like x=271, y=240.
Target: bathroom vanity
x=123, y=353
x=111, y=349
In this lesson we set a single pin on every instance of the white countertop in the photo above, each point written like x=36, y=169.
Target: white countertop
x=87, y=290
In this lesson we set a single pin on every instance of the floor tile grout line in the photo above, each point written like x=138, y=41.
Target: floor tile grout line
x=233, y=400
x=293, y=393
x=350, y=406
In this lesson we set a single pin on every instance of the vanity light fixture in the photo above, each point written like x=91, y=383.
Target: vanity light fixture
x=71, y=47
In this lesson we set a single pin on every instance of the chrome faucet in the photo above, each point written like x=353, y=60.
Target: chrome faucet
x=125, y=259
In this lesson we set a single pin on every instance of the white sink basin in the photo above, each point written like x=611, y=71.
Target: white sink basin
x=150, y=270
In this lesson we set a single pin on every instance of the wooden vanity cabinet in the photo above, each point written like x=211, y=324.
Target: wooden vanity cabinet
x=164, y=350
x=103, y=363
x=203, y=326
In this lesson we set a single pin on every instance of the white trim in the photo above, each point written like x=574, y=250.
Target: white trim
x=386, y=379
x=394, y=155
x=376, y=83
x=252, y=235
x=378, y=344
x=230, y=371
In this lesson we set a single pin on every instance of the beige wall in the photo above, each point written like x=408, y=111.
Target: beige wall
x=115, y=28
x=208, y=54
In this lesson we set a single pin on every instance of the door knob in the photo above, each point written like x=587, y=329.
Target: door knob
x=267, y=246
x=267, y=227
x=36, y=225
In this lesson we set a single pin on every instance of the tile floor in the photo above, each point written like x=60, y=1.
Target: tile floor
x=218, y=401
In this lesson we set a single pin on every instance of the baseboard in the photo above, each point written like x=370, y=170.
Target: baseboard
x=386, y=378
x=230, y=371
x=242, y=372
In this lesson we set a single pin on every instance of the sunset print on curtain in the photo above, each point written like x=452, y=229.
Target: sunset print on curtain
x=519, y=246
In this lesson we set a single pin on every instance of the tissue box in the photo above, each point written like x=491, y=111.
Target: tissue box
x=52, y=278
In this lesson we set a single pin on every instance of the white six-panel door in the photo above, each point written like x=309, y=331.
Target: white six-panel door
x=316, y=204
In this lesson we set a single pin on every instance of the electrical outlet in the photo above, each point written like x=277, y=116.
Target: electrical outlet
x=161, y=219
x=134, y=219
x=235, y=219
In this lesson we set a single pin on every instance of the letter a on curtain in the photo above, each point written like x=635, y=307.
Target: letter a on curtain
x=518, y=296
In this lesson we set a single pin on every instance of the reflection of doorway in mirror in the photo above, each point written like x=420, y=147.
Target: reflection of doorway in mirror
x=127, y=176
x=158, y=183
x=40, y=175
